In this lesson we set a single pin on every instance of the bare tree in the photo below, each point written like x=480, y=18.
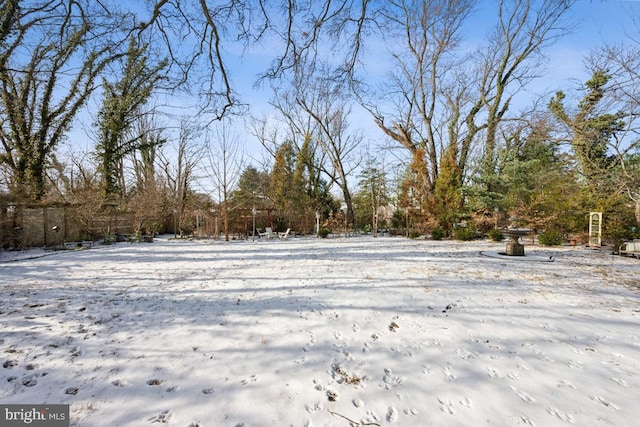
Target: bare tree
x=225, y=162
x=441, y=104
x=180, y=163
x=302, y=132
x=197, y=34
x=147, y=194
x=513, y=56
x=326, y=104
x=622, y=101
x=421, y=36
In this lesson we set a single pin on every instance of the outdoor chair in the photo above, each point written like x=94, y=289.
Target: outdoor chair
x=268, y=233
x=285, y=235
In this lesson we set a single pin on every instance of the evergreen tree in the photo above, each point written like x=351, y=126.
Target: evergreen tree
x=447, y=201
x=373, y=192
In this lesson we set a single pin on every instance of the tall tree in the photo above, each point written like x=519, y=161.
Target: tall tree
x=122, y=106
x=442, y=105
x=512, y=57
x=325, y=103
x=421, y=35
x=373, y=187
x=603, y=127
x=538, y=183
x=225, y=164
x=591, y=129
x=623, y=62
x=287, y=197
x=149, y=201
x=52, y=53
x=180, y=161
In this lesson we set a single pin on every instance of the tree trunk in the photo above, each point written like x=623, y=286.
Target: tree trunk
x=638, y=209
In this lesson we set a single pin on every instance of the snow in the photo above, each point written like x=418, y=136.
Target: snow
x=323, y=332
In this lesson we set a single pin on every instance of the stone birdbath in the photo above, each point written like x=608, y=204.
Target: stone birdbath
x=514, y=248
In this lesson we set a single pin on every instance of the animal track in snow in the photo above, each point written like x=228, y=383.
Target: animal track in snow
x=493, y=372
x=605, y=402
x=311, y=343
x=446, y=406
x=574, y=364
x=162, y=417
x=314, y=408
x=527, y=421
x=371, y=418
x=464, y=354
x=448, y=373
x=392, y=414
x=251, y=379
x=391, y=380
x=560, y=414
x=565, y=383
x=466, y=402
x=514, y=375
x=522, y=395
x=619, y=381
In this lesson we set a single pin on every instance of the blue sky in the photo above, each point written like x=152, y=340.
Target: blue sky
x=597, y=22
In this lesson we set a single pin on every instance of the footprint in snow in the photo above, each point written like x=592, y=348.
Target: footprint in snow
x=522, y=395
x=72, y=391
x=565, y=383
x=314, y=408
x=162, y=417
x=619, y=381
x=466, y=402
x=9, y=364
x=370, y=419
x=446, y=406
x=560, y=414
x=392, y=414
x=493, y=373
x=391, y=380
x=574, y=364
x=251, y=379
x=605, y=402
x=448, y=373
x=30, y=381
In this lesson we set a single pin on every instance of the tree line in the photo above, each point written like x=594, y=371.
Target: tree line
x=453, y=140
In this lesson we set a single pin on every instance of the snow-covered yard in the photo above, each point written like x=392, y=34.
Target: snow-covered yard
x=313, y=332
